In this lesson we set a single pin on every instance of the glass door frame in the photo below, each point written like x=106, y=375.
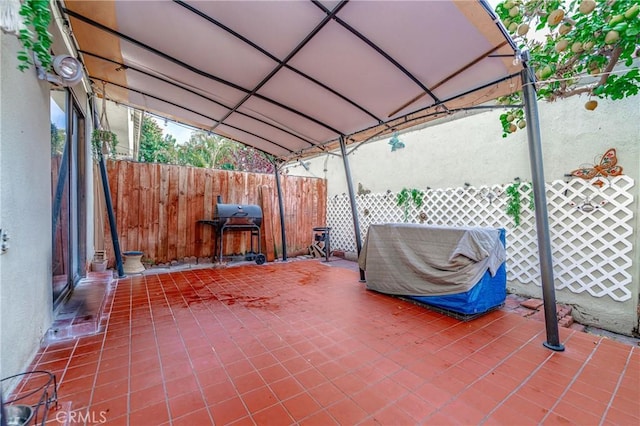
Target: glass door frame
x=74, y=183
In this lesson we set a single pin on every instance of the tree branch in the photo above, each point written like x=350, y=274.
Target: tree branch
x=615, y=55
x=579, y=91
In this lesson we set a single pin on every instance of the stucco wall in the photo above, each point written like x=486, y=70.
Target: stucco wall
x=471, y=150
x=25, y=211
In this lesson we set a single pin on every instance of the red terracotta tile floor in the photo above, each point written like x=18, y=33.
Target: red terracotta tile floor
x=305, y=343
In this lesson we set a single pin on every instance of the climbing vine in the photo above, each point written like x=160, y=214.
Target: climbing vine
x=514, y=201
x=408, y=196
x=35, y=36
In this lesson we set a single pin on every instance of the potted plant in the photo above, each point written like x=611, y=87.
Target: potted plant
x=100, y=138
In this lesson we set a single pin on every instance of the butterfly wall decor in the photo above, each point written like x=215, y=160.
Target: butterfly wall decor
x=606, y=166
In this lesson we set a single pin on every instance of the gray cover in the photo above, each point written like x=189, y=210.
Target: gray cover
x=420, y=260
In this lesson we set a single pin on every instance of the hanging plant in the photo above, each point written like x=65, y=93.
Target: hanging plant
x=406, y=197
x=100, y=138
x=514, y=201
x=103, y=136
x=34, y=34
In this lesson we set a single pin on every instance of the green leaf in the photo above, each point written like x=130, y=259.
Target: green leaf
x=632, y=31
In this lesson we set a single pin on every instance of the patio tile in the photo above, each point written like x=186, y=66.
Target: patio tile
x=275, y=415
x=197, y=417
x=326, y=394
x=158, y=412
x=259, y=399
x=321, y=418
x=463, y=412
x=186, y=403
x=286, y=388
x=248, y=382
x=369, y=400
x=393, y=415
x=619, y=417
x=529, y=411
x=478, y=400
x=347, y=412
x=110, y=409
x=305, y=343
x=180, y=385
x=577, y=415
x=145, y=380
x=151, y=395
x=228, y=411
x=301, y=406
x=114, y=388
x=219, y=392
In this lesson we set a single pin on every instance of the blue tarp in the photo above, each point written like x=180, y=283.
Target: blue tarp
x=490, y=292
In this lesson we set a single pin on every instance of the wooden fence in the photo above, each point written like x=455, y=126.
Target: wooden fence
x=157, y=208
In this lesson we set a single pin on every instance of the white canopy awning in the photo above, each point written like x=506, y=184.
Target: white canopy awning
x=295, y=78
x=291, y=77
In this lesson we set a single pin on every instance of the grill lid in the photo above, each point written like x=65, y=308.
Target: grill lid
x=239, y=213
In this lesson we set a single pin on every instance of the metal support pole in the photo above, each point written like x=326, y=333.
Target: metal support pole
x=281, y=206
x=540, y=199
x=352, y=200
x=108, y=203
x=112, y=218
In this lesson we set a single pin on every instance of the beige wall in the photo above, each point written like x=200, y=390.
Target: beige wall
x=472, y=150
x=26, y=308
x=25, y=211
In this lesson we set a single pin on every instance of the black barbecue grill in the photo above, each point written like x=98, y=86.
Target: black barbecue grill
x=238, y=217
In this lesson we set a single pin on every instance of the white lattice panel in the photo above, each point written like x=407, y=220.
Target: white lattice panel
x=591, y=250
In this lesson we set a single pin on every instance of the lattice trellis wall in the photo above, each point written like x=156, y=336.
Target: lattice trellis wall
x=591, y=249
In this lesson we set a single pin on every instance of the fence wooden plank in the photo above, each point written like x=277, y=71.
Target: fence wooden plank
x=190, y=201
x=172, y=213
x=123, y=209
x=144, y=213
x=208, y=212
x=151, y=213
x=157, y=207
x=133, y=184
x=267, y=223
x=198, y=212
x=163, y=228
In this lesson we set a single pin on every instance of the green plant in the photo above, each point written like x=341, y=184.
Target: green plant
x=35, y=36
x=406, y=197
x=99, y=138
x=569, y=40
x=514, y=201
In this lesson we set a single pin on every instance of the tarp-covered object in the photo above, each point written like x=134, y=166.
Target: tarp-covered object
x=291, y=77
x=420, y=260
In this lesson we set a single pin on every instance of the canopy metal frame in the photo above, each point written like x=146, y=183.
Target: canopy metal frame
x=313, y=146
x=425, y=105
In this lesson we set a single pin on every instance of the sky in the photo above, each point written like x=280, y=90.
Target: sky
x=181, y=132
x=57, y=115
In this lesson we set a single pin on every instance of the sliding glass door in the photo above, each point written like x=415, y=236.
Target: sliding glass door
x=67, y=193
